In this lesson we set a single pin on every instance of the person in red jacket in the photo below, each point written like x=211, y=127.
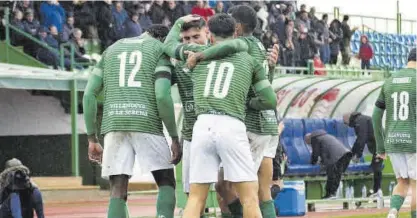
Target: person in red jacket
x=201, y=8
x=365, y=53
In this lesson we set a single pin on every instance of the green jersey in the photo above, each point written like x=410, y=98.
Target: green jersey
x=221, y=86
x=398, y=98
x=127, y=68
x=261, y=122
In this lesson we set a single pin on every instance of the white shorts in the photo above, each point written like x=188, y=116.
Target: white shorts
x=120, y=149
x=220, y=138
x=262, y=146
x=186, y=165
x=404, y=165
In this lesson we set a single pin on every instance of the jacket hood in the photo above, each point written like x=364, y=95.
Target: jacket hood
x=5, y=178
x=318, y=133
x=353, y=117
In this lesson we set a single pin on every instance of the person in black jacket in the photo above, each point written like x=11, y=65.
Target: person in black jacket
x=334, y=157
x=18, y=195
x=365, y=135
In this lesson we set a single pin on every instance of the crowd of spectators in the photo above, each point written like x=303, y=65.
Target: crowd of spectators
x=302, y=36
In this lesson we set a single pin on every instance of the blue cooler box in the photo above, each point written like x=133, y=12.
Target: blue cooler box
x=291, y=201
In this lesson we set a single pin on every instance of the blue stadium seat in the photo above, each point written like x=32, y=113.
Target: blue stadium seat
x=299, y=154
x=356, y=35
x=376, y=48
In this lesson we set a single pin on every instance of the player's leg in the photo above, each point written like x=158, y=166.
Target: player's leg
x=117, y=166
x=204, y=167
x=239, y=168
x=412, y=168
x=226, y=192
x=153, y=154
x=265, y=178
x=277, y=182
x=399, y=165
x=186, y=166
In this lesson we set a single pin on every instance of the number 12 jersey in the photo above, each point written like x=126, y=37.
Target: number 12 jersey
x=127, y=68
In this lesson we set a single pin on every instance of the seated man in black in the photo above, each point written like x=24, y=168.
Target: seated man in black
x=18, y=195
x=365, y=135
x=335, y=158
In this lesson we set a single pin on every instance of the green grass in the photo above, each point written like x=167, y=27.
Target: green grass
x=379, y=215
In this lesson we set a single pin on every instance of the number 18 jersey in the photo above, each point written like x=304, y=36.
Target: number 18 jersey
x=398, y=97
x=127, y=68
x=221, y=86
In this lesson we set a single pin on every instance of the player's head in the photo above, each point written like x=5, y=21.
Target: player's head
x=195, y=32
x=221, y=26
x=246, y=19
x=307, y=139
x=158, y=31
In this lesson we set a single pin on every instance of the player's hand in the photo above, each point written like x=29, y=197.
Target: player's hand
x=273, y=55
x=95, y=152
x=193, y=59
x=176, y=150
x=189, y=18
x=383, y=156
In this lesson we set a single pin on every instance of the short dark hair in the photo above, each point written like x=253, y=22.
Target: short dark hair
x=325, y=16
x=246, y=16
x=158, y=31
x=222, y=25
x=193, y=24
x=346, y=18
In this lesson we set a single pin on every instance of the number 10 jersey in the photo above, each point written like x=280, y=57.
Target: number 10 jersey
x=398, y=97
x=128, y=68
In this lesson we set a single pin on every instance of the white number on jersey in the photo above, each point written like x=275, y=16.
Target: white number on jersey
x=219, y=92
x=266, y=67
x=134, y=58
x=403, y=111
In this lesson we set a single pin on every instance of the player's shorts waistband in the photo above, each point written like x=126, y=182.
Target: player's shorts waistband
x=219, y=120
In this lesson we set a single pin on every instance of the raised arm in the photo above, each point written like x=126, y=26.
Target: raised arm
x=92, y=90
x=266, y=98
x=224, y=48
x=377, y=115
x=164, y=100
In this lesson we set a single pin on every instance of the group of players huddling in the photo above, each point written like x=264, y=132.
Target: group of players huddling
x=230, y=129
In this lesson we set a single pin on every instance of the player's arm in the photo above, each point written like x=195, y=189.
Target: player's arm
x=223, y=49
x=377, y=115
x=92, y=90
x=164, y=100
x=266, y=98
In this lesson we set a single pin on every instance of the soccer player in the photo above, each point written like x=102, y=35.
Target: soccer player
x=398, y=98
x=131, y=124
x=219, y=135
x=261, y=125
x=194, y=32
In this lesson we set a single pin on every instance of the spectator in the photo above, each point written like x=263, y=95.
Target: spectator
x=105, y=24
x=281, y=26
x=18, y=195
x=305, y=49
x=267, y=39
x=335, y=158
x=144, y=19
x=219, y=7
x=262, y=15
x=365, y=135
x=132, y=27
x=303, y=19
x=79, y=43
x=52, y=14
x=157, y=12
x=173, y=11
x=288, y=47
x=17, y=39
x=345, y=45
x=365, y=53
x=312, y=17
x=45, y=55
x=323, y=29
x=54, y=33
x=202, y=9
x=24, y=6
x=85, y=20
x=31, y=26
x=187, y=7
x=68, y=28
x=303, y=8
x=120, y=16
x=336, y=36
x=289, y=12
